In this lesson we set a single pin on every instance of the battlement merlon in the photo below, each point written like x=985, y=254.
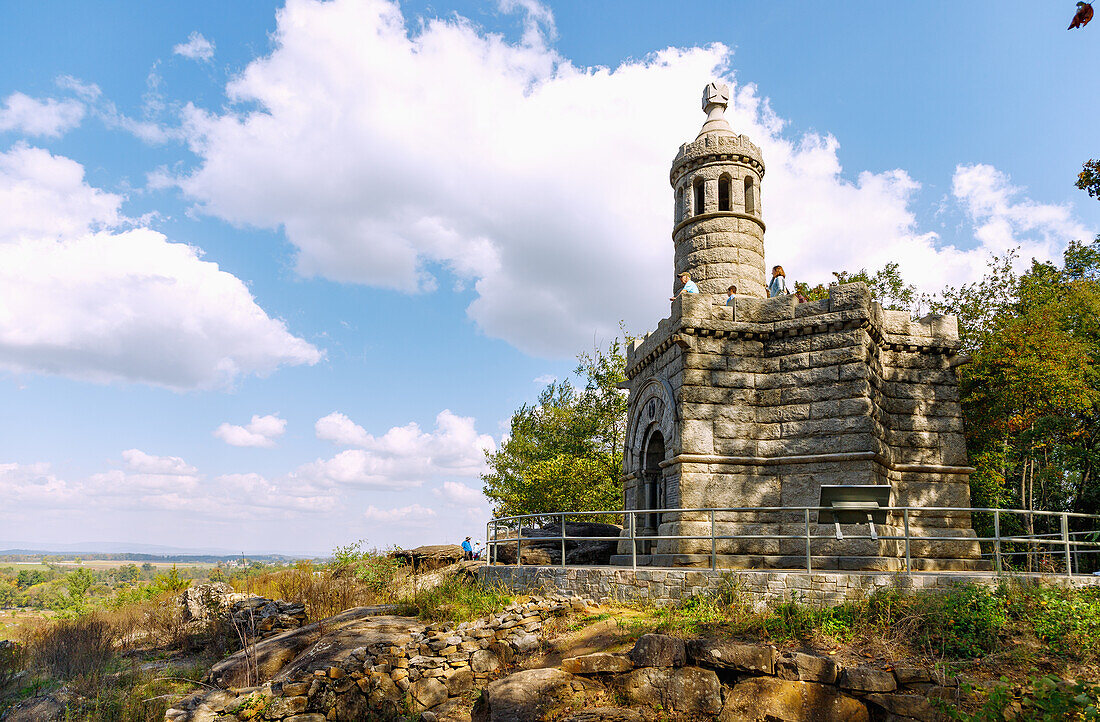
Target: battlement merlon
x=848, y=305
x=715, y=148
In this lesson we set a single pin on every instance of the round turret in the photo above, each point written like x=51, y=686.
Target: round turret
x=718, y=231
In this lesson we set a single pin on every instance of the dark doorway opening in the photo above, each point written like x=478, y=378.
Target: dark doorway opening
x=655, y=492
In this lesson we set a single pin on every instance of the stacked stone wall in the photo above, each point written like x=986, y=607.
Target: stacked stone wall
x=440, y=663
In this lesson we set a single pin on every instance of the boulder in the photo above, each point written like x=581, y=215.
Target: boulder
x=681, y=689
x=867, y=679
x=530, y=695
x=485, y=660
x=768, y=698
x=606, y=714
x=808, y=668
x=904, y=705
x=426, y=693
x=753, y=658
x=598, y=663
x=658, y=650
x=203, y=603
x=453, y=710
x=314, y=646
x=542, y=545
x=429, y=558
x=37, y=709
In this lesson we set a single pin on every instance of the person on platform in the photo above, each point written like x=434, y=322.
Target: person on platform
x=778, y=285
x=467, y=550
x=689, y=286
x=729, y=295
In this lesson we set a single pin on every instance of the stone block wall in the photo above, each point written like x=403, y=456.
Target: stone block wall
x=668, y=586
x=764, y=402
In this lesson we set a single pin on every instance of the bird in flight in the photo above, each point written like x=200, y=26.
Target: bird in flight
x=1082, y=16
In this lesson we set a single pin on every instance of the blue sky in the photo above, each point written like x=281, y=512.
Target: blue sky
x=419, y=213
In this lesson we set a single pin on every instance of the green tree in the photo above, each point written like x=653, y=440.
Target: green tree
x=886, y=284
x=1031, y=394
x=1088, y=179
x=128, y=573
x=78, y=583
x=565, y=452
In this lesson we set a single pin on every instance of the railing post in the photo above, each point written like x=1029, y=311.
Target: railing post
x=713, y=544
x=1065, y=540
x=809, y=568
x=997, y=541
x=908, y=558
x=633, y=542
x=519, y=543
x=563, y=540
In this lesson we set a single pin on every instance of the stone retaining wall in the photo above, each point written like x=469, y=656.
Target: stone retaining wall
x=669, y=585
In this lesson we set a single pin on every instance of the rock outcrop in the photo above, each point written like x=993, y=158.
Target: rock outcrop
x=542, y=545
x=429, y=558
x=369, y=664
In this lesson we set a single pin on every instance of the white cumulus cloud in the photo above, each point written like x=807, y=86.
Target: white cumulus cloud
x=412, y=514
x=260, y=431
x=197, y=47
x=84, y=296
x=404, y=456
x=543, y=184
x=31, y=116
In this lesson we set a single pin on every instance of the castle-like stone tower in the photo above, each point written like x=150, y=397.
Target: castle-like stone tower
x=718, y=232
x=763, y=402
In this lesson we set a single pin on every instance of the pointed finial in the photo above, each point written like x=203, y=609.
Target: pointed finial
x=715, y=99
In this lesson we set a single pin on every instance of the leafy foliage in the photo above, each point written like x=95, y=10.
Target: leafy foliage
x=565, y=452
x=886, y=285
x=1089, y=178
x=1048, y=698
x=1032, y=392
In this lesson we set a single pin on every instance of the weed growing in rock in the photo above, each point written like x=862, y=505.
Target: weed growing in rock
x=455, y=600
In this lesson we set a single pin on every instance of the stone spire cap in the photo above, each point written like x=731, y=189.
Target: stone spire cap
x=715, y=99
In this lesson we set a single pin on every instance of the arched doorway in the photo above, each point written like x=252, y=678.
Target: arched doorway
x=654, y=486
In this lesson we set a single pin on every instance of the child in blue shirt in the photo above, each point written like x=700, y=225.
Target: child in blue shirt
x=689, y=285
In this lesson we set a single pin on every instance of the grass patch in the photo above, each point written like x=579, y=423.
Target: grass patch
x=963, y=623
x=455, y=600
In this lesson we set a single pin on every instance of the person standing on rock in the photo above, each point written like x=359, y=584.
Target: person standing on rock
x=689, y=286
x=778, y=285
x=467, y=550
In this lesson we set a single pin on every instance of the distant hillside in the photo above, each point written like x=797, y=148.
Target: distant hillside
x=136, y=551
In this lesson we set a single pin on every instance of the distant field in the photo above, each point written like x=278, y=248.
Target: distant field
x=104, y=564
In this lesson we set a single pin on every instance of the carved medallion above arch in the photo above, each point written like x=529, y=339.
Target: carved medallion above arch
x=655, y=409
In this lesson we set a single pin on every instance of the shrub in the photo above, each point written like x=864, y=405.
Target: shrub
x=455, y=600
x=965, y=621
x=11, y=661
x=69, y=648
x=1046, y=698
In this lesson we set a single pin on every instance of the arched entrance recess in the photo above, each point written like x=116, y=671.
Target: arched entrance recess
x=653, y=483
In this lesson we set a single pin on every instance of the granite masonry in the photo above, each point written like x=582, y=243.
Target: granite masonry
x=762, y=402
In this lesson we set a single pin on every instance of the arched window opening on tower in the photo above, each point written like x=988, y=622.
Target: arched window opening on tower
x=724, y=193
x=699, y=195
x=681, y=212
x=750, y=200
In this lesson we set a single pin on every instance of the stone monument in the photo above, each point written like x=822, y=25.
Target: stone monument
x=764, y=402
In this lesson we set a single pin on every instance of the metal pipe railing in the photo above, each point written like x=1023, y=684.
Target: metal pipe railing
x=1071, y=546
